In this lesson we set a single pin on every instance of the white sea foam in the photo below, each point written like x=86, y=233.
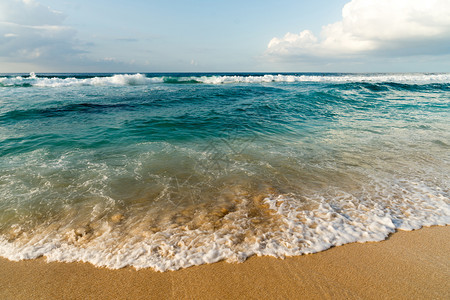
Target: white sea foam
x=120, y=79
x=291, y=229
x=141, y=79
x=375, y=78
x=115, y=80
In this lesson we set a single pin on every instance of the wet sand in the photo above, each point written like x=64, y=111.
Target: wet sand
x=409, y=265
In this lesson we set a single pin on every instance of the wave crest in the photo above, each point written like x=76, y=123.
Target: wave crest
x=115, y=80
x=142, y=79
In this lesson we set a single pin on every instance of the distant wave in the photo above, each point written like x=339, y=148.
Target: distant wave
x=118, y=79
x=406, y=78
x=142, y=79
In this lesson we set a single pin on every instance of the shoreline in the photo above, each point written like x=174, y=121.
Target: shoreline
x=412, y=264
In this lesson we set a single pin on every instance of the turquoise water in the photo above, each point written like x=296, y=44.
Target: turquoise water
x=173, y=170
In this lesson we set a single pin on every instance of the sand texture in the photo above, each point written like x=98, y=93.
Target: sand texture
x=409, y=265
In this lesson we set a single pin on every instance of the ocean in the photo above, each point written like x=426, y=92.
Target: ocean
x=167, y=171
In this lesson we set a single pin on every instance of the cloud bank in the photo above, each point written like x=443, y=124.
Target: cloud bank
x=393, y=28
x=33, y=37
x=33, y=33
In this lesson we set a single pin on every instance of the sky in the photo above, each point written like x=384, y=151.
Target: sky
x=224, y=36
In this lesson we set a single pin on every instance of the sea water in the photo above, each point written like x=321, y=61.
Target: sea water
x=173, y=170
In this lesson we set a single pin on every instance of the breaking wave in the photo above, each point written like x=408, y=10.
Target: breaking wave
x=146, y=79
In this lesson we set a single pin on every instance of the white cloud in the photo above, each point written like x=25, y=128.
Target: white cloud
x=373, y=28
x=33, y=37
x=33, y=33
x=28, y=12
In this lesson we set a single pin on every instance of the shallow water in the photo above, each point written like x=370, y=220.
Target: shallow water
x=173, y=170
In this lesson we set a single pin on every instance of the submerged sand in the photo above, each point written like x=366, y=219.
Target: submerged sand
x=409, y=265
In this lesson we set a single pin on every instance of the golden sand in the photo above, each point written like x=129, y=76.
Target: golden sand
x=409, y=265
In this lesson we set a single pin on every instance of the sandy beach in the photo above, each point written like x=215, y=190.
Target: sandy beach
x=224, y=150
x=409, y=265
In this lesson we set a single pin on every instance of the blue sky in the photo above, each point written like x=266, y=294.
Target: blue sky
x=224, y=36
